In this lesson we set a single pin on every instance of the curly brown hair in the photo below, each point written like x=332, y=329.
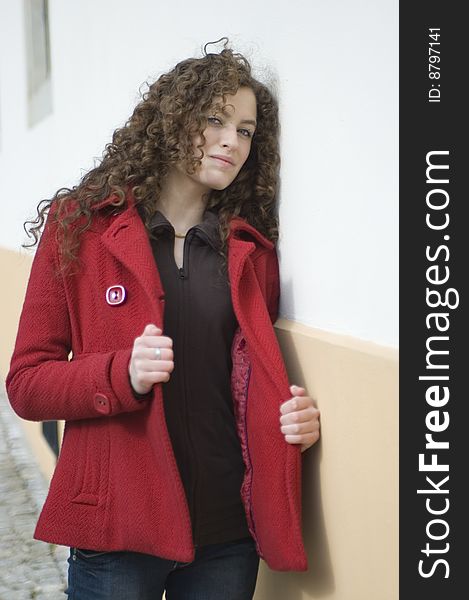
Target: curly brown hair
x=158, y=135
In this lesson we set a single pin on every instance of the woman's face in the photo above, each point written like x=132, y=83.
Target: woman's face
x=228, y=138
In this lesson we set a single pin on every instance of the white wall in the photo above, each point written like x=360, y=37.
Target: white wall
x=334, y=63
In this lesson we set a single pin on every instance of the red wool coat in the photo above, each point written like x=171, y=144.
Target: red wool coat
x=116, y=485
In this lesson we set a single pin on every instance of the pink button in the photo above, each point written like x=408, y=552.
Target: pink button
x=115, y=295
x=101, y=402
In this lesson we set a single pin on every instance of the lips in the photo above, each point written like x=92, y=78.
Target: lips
x=222, y=159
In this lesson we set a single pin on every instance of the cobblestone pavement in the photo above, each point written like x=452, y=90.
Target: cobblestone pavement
x=28, y=568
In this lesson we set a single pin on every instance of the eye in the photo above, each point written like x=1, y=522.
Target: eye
x=246, y=133
x=213, y=120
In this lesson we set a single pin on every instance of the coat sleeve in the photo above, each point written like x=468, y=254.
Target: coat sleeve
x=42, y=384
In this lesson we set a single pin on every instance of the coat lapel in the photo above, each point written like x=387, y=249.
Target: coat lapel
x=126, y=238
x=252, y=313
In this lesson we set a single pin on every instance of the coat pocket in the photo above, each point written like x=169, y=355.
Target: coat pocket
x=92, y=463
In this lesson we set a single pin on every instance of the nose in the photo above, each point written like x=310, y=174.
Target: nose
x=229, y=137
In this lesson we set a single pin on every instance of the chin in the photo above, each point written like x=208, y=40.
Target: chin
x=219, y=185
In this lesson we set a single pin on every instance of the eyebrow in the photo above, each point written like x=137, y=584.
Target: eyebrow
x=249, y=121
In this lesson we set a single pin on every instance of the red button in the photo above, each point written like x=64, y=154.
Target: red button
x=101, y=402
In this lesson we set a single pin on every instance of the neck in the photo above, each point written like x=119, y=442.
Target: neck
x=182, y=201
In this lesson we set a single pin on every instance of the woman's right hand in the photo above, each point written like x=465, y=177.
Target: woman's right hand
x=145, y=368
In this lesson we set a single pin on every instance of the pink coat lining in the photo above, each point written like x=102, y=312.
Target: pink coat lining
x=239, y=388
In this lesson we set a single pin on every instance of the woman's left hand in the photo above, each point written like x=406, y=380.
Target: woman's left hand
x=299, y=420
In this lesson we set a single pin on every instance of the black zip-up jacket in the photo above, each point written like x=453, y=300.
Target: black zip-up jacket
x=199, y=318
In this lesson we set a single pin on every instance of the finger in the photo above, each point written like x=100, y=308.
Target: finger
x=155, y=341
x=144, y=380
x=152, y=329
x=309, y=438
x=300, y=416
x=144, y=352
x=296, y=390
x=296, y=403
x=300, y=428
x=146, y=365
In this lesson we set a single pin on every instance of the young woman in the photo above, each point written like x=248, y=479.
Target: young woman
x=148, y=327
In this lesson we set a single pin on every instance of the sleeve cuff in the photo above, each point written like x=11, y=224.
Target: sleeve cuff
x=125, y=395
x=140, y=397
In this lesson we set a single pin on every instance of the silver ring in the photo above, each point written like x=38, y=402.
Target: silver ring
x=158, y=353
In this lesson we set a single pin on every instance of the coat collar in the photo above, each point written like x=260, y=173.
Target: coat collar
x=208, y=227
x=237, y=225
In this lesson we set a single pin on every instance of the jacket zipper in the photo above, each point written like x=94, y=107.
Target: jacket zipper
x=183, y=276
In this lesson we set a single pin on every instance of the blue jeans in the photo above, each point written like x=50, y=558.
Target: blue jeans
x=226, y=571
